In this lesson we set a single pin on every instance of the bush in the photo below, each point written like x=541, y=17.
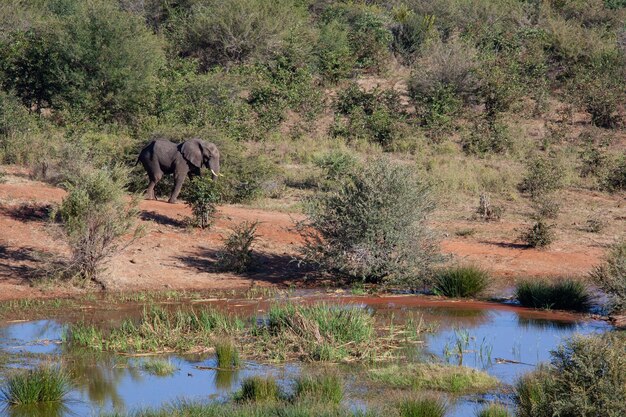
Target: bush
x=326, y=388
x=411, y=32
x=36, y=386
x=244, y=175
x=94, y=216
x=202, y=195
x=615, y=178
x=461, y=282
x=372, y=227
x=487, y=137
x=423, y=407
x=334, y=55
x=494, y=410
x=219, y=33
x=236, y=254
x=546, y=207
x=600, y=91
x=586, y=377
x=545, y=175
x=566, y=294
x=227, y=355
x=539, y=235
x=611, y=276
x=335, y=165
x=257, y=389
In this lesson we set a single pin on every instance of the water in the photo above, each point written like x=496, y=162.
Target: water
x=504, y=341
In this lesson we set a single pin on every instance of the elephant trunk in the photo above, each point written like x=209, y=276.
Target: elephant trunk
x=214, y=166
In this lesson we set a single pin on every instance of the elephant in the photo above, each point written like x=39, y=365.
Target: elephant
x=164, y=157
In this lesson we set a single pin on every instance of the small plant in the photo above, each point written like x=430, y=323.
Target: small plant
x=465, y=232
x=422, y=407
x=236, y=255
x=539, y=235
x=615, y=178
x=35, y=386
x=3, y=177
x=257, y=389
x=202, y=196
x=594, y=225
x=460, y=282
x=544, y=175
x=487, y=137
x=326, y=388
x=227, y=355
x=94, y=216
x=611, y=276
x=158, y=367
x=566, y=294
x=487, y=211
x=494, y=410
x=546, y=206
x=335, y=164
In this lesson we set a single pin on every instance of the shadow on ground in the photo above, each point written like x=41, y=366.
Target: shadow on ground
x=162, y=219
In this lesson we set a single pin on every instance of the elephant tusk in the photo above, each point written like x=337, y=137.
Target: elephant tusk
x=216, y=174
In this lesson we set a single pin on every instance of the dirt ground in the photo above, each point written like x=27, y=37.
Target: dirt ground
x=171, y=256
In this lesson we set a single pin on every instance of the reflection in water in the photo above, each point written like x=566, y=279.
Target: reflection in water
x=225, y=379
x=55, y=409
x=544, y=324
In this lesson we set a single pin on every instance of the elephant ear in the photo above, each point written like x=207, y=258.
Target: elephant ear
x=192, y=152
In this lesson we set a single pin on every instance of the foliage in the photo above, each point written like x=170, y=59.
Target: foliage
x=236, y=254
x=371, y=227
x=494, y=410
x=244, y=175
x=422, y=407
x=158, y=367
x=335, y=164
x=586, y=376
x=611, y=275
x=227, y=355
x=487, y=211
x=460, y=282
x=544, y=175
x=44, y=384
x=487, y=137
x=600, y=91
x=94, y=216
x=257, y=389
x=325, y=388
x=539, y=235
x=566, y=294
x=334, y=53
x=546, y=206
x=202, y=195
x=615, y=178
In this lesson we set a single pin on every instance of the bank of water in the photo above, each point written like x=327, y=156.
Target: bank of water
x=504, y=341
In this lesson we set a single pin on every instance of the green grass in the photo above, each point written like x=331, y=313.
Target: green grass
x=422, y=407
x=327, y=387
x=227, y=355
x=45, y=384
x=461, y=282
x=494, y=410
x=258, y=389
x=434, y=377
x=566, y=294
x=158, y=367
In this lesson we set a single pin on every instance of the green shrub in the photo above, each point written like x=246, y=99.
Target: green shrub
x=422, y=407
x=236, y=255
x=257, y=389
x=565, y=294
x=545, y=175
x=244, y=175
x=227, y=355
x=17, y=128
x=586, y=377
x=615, y=177
x=325, y=388
x=411, y=32
x=600, y=91
x=372, y=227
x=539, y=235
x=334, y=55
x=546, y=206
x=460, y=282
x=335, y=164
x=611, y=276
x=35, y=386
x=94, y=216
x=487, y=137
x=202, y=195
x=494, y=410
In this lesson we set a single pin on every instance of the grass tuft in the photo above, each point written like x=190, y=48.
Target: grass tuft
x=227, y=355
x=328, y=388
x=422, y=407
x=41, y=385
x=158, y=367
x=494, y=410
x=258, y=389
x=567, y=294
x=461, y=282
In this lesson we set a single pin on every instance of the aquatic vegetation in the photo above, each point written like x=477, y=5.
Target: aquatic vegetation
x=566, y=294
x=494, y=410
x=461, y=282
x=325, y=387
x=40, y=385
x=586, y=377
x=258, y=389
x=158, y=367
x=611, y=276
x=422, y=407
x=435, y=377
x=227, y=354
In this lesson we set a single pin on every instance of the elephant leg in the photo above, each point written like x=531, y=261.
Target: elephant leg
x=154, y=179
x=178, y=184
